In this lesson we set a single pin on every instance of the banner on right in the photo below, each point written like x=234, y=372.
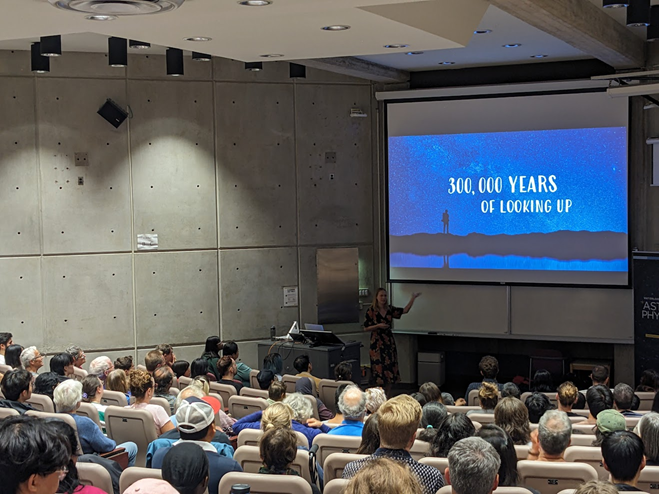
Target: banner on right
x=646, y=311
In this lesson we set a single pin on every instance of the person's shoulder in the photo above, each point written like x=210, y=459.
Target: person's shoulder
x=354, y=466
x=88, y=489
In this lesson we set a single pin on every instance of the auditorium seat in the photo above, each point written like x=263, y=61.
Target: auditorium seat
x=133, y=474
x=419, y=449
x=226, y=391
x=8, y=412
x=576, y=420
x=174, y=391
x=128, y=424
x=95, y=475
x=585, y=428
x=5, y=368
x=253, y=382
x=330, y=443
x=550, y=395
x=314, y=406
x=265, y=484
x=184, y=382
x=241, y=406
x=289, y=380
x=522, y=451
x=646, y=398
x=79, y=374
x=582, y=413
x=42, y=403
x=114, y=398
x=631, y=422
x=64, y=417
x=482, y=418
x=440, y=464
x=649, y=480
x=251, y=437
x=90, y=411
x=254, y=393
x=591, y=455
x=336, y=462
x=327, y=392
x=249, y=459
x=551, y=478
x=336, y=486
x=582, y=439
x=162, y=402
x=447, y=489
x=457, y=409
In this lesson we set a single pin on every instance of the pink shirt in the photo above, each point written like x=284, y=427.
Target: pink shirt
x=160, y=417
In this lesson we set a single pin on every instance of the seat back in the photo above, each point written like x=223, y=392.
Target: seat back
x=582, y=439
x=336, y=462
x=419, y=449
x=550, y=395
x=253, y=382
x=447, y=489
x=522, y=451
x=457, y=409
x=649, y=480
x=113, y=398
x=581, y=413
x=5, y=368
x=79, y=374
x=631, y=422
x=584, y=428
x=289, y=380
x=576, y=420
x=265, y=484
x=96, y=475
x=591, y=455
x=551, y=478
x=329, y=443
x=251, y=437
x=133, y=474
x=8, y=412
x=241, y=406
x=472, y=398
x=162, y=402
x=336, y=486
x=254, y=393
x=174, y=391
x=42, y=403
x=440, y=464
x=64, y=417
x=327, y=392
x=90, y=411
x=226, y=391
x=249, y=459
x=646, y=399
x=127, y=424
x=314, y=406
x=482, y=418
x=184, y=382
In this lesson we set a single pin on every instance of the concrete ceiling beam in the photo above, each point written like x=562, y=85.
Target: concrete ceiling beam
x=356, y=67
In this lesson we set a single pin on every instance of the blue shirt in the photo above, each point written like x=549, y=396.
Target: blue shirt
x=92, y=439
x=253, y=421
x=348, y=428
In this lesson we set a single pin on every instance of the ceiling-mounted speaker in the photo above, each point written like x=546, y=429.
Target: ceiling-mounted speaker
x=113, y=113
x=653, y=28
x=201, y=57
x=117, y=52
x=174, y=58
x=51, y=46
x=615, y=4
x=297, y=70
x=638, y=13
x=40, y=64
x=254, y=66
x=138, y=45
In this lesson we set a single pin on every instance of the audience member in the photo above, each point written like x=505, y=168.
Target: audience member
x=303, y=366
x=542, y=381
x=196, y=425
x=551, y=439
x=608, y=422
x=370, y=436
x=168, y=353
x=384, y=476
x=303, y=386
x=600, y=375
x=343, y=371
x=117, y=380
x=503, y=444
x=142, y=388
x=655, y=403
x=265, y=378
x=79, y=357
x=277, y=416
x=32, y=360
x=537, y=404
x=567, y=395
x=473, y=467
x=92, y=392
x=153, y=486
x=230, y=349
x=433, y=414
x=598, y=397
x=33, y=458
x=13, y=356
x=226, y=369
x=16, y=385
x=101, y=367
x=489, y=368
x=513, y=417
x=420, y=398
x=649, y=381
x=352, y=404
x=622, y=457
x=276, y=392
x=5, y=341
x=191, y=392
x=447, y=399
x=398, y=419
x=302, y=412
x=62, y=364
x=456, y=426
x=275, y=363
x=46, y=383
x=153, y=360
x=164, y=377
x=186, y=468
x=623, y=396
x=125, y=364
x=375, y=397
x=510, y=389
x=596, y=487
x=431, y=391
x=338, y=416
x=201, y=367
x=181, y=368
x=648, y=430
x=488, y=397
x=211, y=355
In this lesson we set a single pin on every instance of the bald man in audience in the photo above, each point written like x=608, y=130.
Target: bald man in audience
x=101, y=367
x=153, y=360
x=352, y=404
x=473, y=467
x=552, y=437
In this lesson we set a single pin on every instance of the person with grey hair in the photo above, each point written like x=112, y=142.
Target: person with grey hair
x=101, y=367
x=648, y=431
x=552, y=437
x=31, y=360
x=79, y=357
x=302, y=420
x=623, y=395
x=473, y=467
x=352, y=404
x=67, y=397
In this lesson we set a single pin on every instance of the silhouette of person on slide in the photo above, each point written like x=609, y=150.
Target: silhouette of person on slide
x=445, y=221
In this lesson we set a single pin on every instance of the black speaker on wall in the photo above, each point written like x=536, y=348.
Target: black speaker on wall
x=113, y=113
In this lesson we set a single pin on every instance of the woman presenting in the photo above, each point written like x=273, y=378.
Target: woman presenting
x=384, y=358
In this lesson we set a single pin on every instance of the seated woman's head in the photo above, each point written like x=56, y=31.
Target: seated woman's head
x=567, y=394
x=274, y=362
x=92, y=388
x=46, y=383
x=488, y=395
x=431, y=391
x=537, y=404
x=648, y=429
x=198, y=367
x=510, y=389
x=542, y=381
x=186, y=468
x=226, y=367
x=375, y=397
x=302, y=409
x=384, y=476
x=370, y=436
x=599, y=398
x=434, y=413
x=456, y=426
x=649, y=381
x=503, y=444
x=343, y=371
x=276, y=416
x=124, y=363
x=278, y=449
x=513, y=417
x=13, y=356
x=62, y=364
x=181, y=368
x=141, y=385
x=117, y=381
x=277, y=391
x=67, y=396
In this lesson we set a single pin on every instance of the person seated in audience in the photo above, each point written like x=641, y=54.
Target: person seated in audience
x=142, y=388
x=16, y=385
x=420, y=398
x=92, y=392
x=67, y=398
x=6, y=339
x=62, y=364
x=79, y=357
x=338, y=416
x=608, y=422
x=537, y=404
x=196, y=425
x=623, y=396
x=384, y=476
x=398, y=419
x=230, y=349
x=567, y=395
x=447, y=399
x=489, y=368
x=352, y=404
x=265, y=378
x=303, y=386
x=125, y=364
x=503, y=445
x=598, y=397
x=473, y=467
x=370, y=436
x=186, y=468
x=117, y=380
x=164, y=377
x=211, y=354
x=510, y=389
x=648, y=431
x=649, y=381
x=431, y=392
x=153, y=360
x=596, y=487
x=375, y=398
x=13, y=356
x=513, y=417
x=542, y=381
x=33, y=458
x=276, y=392
x=278, y=449
x=32, y=360
x=46, y=383
x=456, y=426
x=167, y=352
x=433, y=414
x=622, y=457
x=552, y=437
x=226, y=368
x=181, y=368
x=201, y=368
x=600, y=375
x=275, y=363
x=343, y=371
x=303, y=366
x=101, y=367
x=488, y=397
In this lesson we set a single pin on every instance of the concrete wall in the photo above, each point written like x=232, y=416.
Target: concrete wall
x=226, y=166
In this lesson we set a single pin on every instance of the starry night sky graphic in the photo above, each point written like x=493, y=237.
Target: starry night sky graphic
x=590, y=166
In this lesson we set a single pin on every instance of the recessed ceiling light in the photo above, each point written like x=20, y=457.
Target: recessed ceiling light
x=201, y=57
x=614, y=4
x=198, y=39
x=255, y=3
x=539, y=56
x=272, y=55
x=336, y=27
x=254, y=66
x=446, y=63
x=138, y=45
x=414, y=53
x=101, y=17
x=483, y=31
x=396, y=46
x=512, y=45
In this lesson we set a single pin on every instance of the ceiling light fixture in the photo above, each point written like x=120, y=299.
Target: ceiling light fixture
x=539, y=56
x=174, y=58
x=101, y=17
x=446, y=63
x=295, y=70
x=138, y=45
x=201, y=57
x=653, y=28
x=638, y=13
x=254, y=66
x=271, y=55
x=198, y=39
x=40, y=64
x=117, y=52
x=336, y=27
x=118, y=7
x=512, y=45
x=396, y=46
x=414, y=53
x=255, y=3
x=614, y=4
x=51, y=46
x=482, y=31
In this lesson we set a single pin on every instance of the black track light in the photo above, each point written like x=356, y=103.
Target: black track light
x=254, y=66
x=174, y=62
x=201, y=57
x=117, y=52
x=638, y=13
x=653, y=28
x=615, y=4
x=297, y=70
x=51, y=46
x=138, y=45
x=40, y=64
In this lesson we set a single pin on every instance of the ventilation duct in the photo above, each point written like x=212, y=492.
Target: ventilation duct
x=118, y=7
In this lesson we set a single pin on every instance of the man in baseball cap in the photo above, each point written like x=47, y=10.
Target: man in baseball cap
x=196, y=424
